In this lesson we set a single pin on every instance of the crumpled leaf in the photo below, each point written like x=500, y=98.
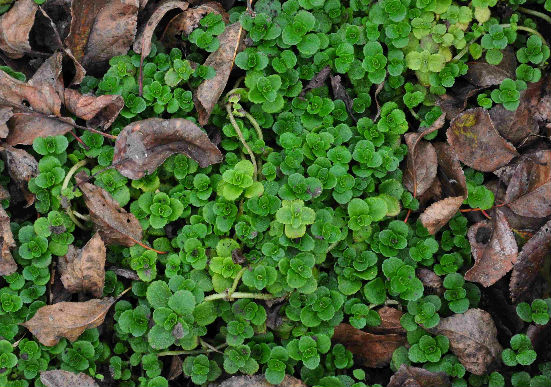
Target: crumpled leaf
x=483, y=74
x=473, y=339
x=144, y=145
x=67, y=319
x=210, y=90
x=339, y=92
x=477, y=143
x=529, y=190
x=530, y=261
x=257, y=381
x=422, y=162
x=21, y=167
x=83, y=270
x=114, y=224
x=60, y=378
x=7, y=264
x=5, y=114
x=374, y=350
x=408, y=376
x=15, y=26
x=98, y=111
x=494, y=249
x=100, y=30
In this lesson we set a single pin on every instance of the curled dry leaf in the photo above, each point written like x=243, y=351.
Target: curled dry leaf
x=60, y=378
x=22, y=167
x=422, y=162
x=494, y=249
x=529, y=190
x=67, y=319
x=83, y=270
x=114, y=224
x=98, y=111
x=483, y=74
x=339, y=92
x=477, y=143
x=257, y=381
x=144, y=145
x=7, y=264
x=472, y=338
x=15, y=26
x=374, y=350
x=210, y=90
x=124, y=273
x=530, y=261
x=408, y=376
x=317, y=81
x=101, y=30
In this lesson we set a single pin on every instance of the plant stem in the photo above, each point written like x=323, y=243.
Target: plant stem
x=236, y=281
x=80, y=216
x=528, y=29
x=415, y=115
x=192, y=352
x=541, y=15
x=71, y=172
x=221, y=296
x=254, y=123
x=240, y=135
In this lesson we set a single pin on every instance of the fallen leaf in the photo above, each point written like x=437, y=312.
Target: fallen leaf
x=257, y=381
x=15, y=26
x=376, y=98
x=98, y=111
x=124, y=273
x=57, y=292
x=374, y=350
x=210, y=90
x=408, y=376
x=26, y=126
x=175, y=369
x=144, y=145
x=494, y=250
x=339, y=92
x=483, y=74
x=530, y=261
x=433, y=284
x=438, y=214
x=455, y=100
x=7, y=264
x=5, y=114
x=477, y=143
x=317, y=81
x=472, y=338
x=83, y=270
x=60, y=378
x=422, y=162
x=529, y=190
x=390, y=322
x=67, y=319
x=21, y=167
x=101, y=30
x=114, y=224
x=537, y=335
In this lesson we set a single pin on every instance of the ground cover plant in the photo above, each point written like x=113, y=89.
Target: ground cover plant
x=300, y=193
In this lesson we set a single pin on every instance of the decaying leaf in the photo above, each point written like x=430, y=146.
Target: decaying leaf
x=477, y=143
x=317, y=81
x=114, y=224
x=101, y=30
x=374, y=350
x=124, y=273
x=144, y=145
x=530, y=261
x=529, y=190
x=67, y=319
x=5, y=115
x=422, y=162
x=15, y=26
x=210, y=90
x=98, y=111
x=472, y=338
x=483, y=74
x=26, y=126
x=433, y=284
x=494, y=249
x=60, y=378
x=455, y=100
x=258, y=381
x=339, y=92
x=390, y=322
x=438, y=214
x=408, y=376
x=83, y=270
x=175, y=369
x=7, y=264
x=21, y=167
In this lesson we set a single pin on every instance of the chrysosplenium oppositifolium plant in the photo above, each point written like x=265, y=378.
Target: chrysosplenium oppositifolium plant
x=257, y=260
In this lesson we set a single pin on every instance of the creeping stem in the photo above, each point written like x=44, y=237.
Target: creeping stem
x=242, y=139
x=223, y=296
x=65, y=184
x=531, y=12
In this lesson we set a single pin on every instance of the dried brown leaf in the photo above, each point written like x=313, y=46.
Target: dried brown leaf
x=433, y=284
x=494, y=250
x=5, y=114
x=26, y=126
x=98, y=111
x=175, y=369
x=374, y=350
x=210, y=90
x=60, y=378
x=339, y=92
x=529, y=190
x=67, y=319
x=114, y=224
x=7, y=264
x=408, y=376
x=477, y=143
x=472, y=338
x=455, y=100
x=83, y=270
x=530, y=261
x=144, y=145
x=21, y=167
x=317, y=81
x=438, y=214
x=100, y=30
x=390, y=322
x=483, y=74
x=124, y=273
x=257, y=381
x=15, y=26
